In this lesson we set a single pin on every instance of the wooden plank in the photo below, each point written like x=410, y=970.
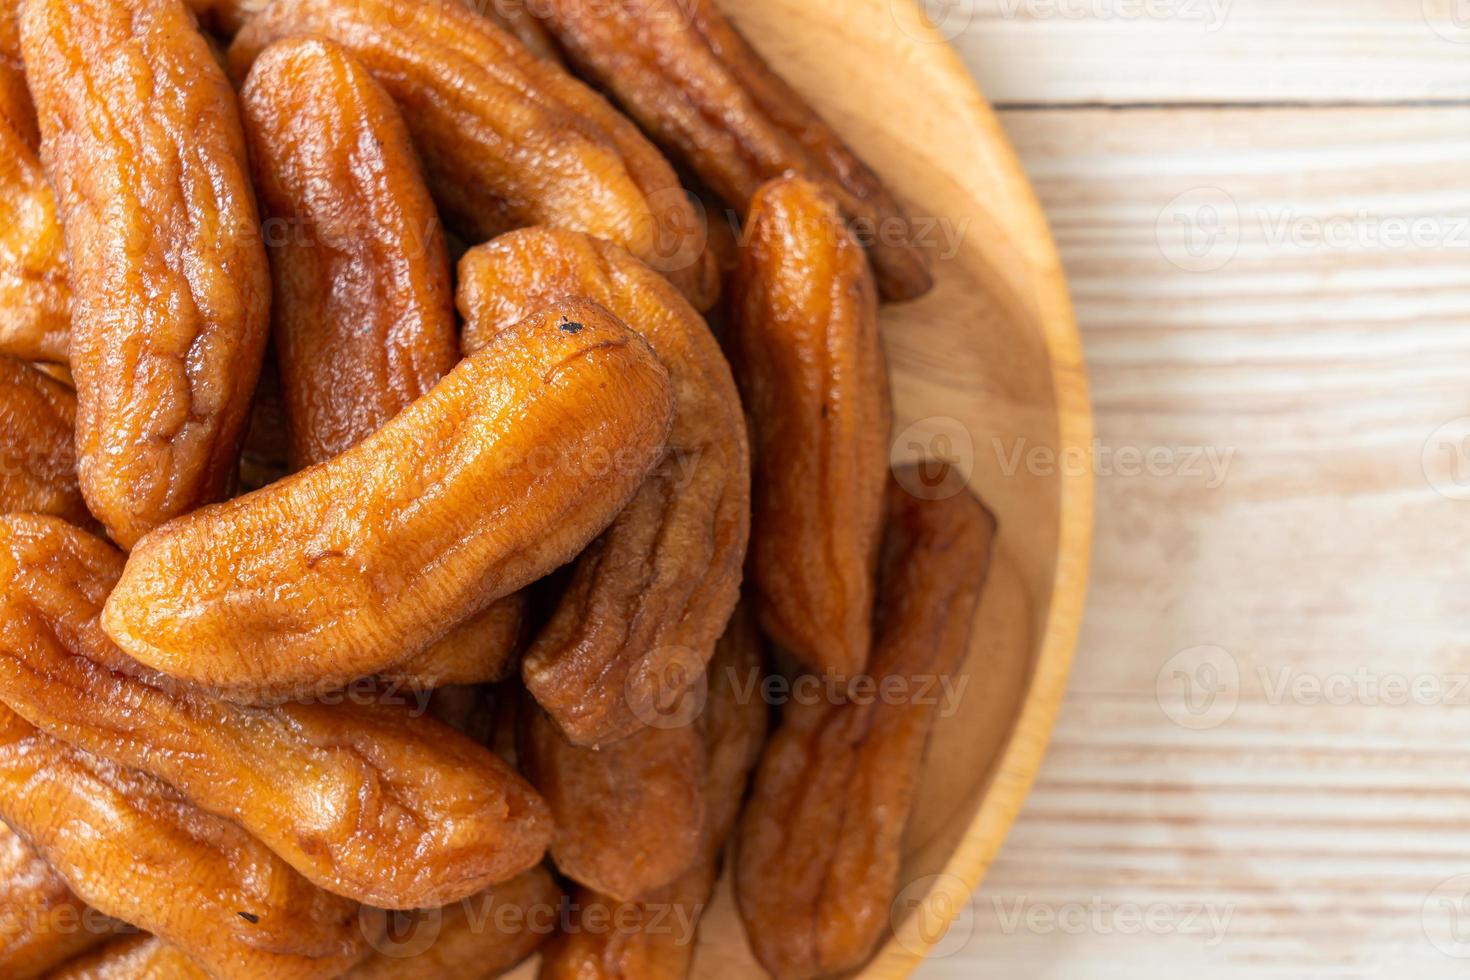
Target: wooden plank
x=1305, y=811
x=1204, y=51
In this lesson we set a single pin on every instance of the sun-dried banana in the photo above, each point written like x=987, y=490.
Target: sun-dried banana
x=362, y=314
x=688, y=77
x=480, y=650
x=806, y=352
x=360, y=794
x=136, y=957
x=507, y=139
x=505, y=470
x=480, y=936
x=38, y=471
x=171, y=292
x=35, y=295
x=649, y=599
x=131, y=847
x=655, y=936
x=821, y=840
x=41, y=922
x=627, y=814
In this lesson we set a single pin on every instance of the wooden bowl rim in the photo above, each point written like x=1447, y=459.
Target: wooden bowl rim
x=1021, y=759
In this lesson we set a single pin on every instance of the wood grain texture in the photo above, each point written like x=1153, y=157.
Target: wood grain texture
x=1306, y=812
x=1204, y=51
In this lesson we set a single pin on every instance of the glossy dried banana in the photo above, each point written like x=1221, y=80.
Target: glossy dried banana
x=806, y=352
x=649, y=599
x=507, y=139
x=136, y=957
x=820, y=842
x=505, y=470
x=133, y=848
x=35, y=295
x=655, y=936
x=628, y=814
x=38, y=472
x=689, y=79
x=41, y=922
x=362, y=314
x=362, y=796
x=481, y=936
x=141, y=141
x=10, y=56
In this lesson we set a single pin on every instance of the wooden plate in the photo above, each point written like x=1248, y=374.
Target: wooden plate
x=987, y=370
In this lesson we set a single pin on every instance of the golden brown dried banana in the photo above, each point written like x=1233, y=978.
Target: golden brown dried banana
x=507, y=139
x=806, y=352
x=820, y=841
x=133, y=848
x=655, y=936
x=688, y=77
x=362, y=314
x=649, y=599
x=360, y=794
x=142, y=143
x=38, y=472
x=504, y=471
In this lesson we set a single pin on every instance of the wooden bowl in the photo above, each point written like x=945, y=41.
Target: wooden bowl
x=991, y=357
x=993, y=354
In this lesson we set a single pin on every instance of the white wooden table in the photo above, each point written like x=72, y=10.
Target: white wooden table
x=1263, y=765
